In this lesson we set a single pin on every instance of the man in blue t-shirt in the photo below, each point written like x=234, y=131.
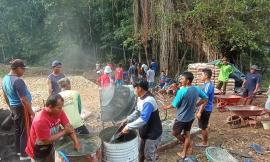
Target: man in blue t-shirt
x=204, y=113
x=251, y=84
x=19, y=100
x=154, y=66
x=185, y=103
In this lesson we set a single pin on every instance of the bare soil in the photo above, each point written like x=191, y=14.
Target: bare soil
x=220, y=133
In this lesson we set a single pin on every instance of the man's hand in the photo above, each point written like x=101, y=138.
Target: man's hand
x=125, y=130
x=199, y=115
x=124, y=122
x=77, y=146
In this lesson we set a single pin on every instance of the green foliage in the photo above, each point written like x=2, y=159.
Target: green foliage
x=40, y=31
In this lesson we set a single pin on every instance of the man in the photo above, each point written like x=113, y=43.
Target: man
x=150, y=75
x=225, y=70
x=204, y=113
x=132, y=72
x=19, y=100
x=119, y=76
x=53, y=78
x=72, y=106
x=251, y=84
x=154, y=65
x=105, y=79
x=185, y=104
x=146, y=119
x=45, y=130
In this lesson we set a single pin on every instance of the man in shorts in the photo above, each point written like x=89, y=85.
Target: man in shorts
x=185, y=104
x=204, y=113
x=251, y=84
x=225, y=70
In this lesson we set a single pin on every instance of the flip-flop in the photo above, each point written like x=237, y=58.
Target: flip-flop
x=248, y=160
x=188, y=159
x=179, y=154
x=257, y=148
x=201, y=145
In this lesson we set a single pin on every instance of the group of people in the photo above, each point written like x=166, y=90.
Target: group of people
x=250, y=86
x=109, y=76
x=63, y=107
x=35, y=133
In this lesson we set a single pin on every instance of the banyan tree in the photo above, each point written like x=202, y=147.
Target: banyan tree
x=164, y=36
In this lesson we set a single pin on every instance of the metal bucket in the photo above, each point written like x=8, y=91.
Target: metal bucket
x=124, y=150
x=90, y=149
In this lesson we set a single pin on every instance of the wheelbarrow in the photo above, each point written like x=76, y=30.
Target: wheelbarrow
x=247, y=113
x=226, y=100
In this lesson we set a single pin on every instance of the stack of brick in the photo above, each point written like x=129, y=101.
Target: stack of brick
x=196, y=69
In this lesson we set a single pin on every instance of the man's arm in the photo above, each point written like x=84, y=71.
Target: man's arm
x=49, y=83
x=244, y=83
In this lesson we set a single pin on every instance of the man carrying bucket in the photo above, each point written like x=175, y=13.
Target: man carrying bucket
x=146, y=119
x=45, y=130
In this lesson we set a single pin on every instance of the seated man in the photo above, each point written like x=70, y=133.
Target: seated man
x=45, y=130
x=72, y=106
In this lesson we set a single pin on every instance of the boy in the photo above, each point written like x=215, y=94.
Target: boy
x=203, y=114
x=162, y=79
x=185, y=103
x=225, y=70
x=146, y=119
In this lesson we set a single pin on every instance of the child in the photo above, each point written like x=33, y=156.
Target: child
x=162, y=79
x=185, y=103
x=203, y=114
x=225, y=70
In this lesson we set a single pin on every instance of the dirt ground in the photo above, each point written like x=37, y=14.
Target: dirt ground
x=220, y=133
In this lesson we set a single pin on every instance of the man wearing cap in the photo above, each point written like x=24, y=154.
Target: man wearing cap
x=54, y=77
x=19, y=99
x=145, y=118
x=105, y=79
x=251, y=84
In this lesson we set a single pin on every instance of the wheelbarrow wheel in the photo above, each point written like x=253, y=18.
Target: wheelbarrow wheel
x=234, y=121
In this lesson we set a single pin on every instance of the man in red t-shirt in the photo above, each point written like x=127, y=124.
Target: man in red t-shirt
x=119, y=76
x=105, y=80
x=45, y=130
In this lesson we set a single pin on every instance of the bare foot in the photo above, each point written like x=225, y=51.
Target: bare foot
x=182, y=155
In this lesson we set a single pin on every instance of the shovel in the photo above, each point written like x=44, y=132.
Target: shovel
x=117, y=133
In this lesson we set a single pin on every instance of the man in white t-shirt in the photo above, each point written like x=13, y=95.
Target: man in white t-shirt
x=150, y=75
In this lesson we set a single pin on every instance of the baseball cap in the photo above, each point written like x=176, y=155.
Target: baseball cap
x=17, y=63
x=255, y=67
x=56, y=63
x=107, y=69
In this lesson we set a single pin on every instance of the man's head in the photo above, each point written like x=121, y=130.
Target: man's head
x=56, y=66
x=140, y=87
x=162, y=72
x=206, y=74
x=18, y=67
x=107, y=70
x=253, y=68
x=225, y=60
x=120, y=65
x=54, y=104
x=64, y=84
x=186, y=78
